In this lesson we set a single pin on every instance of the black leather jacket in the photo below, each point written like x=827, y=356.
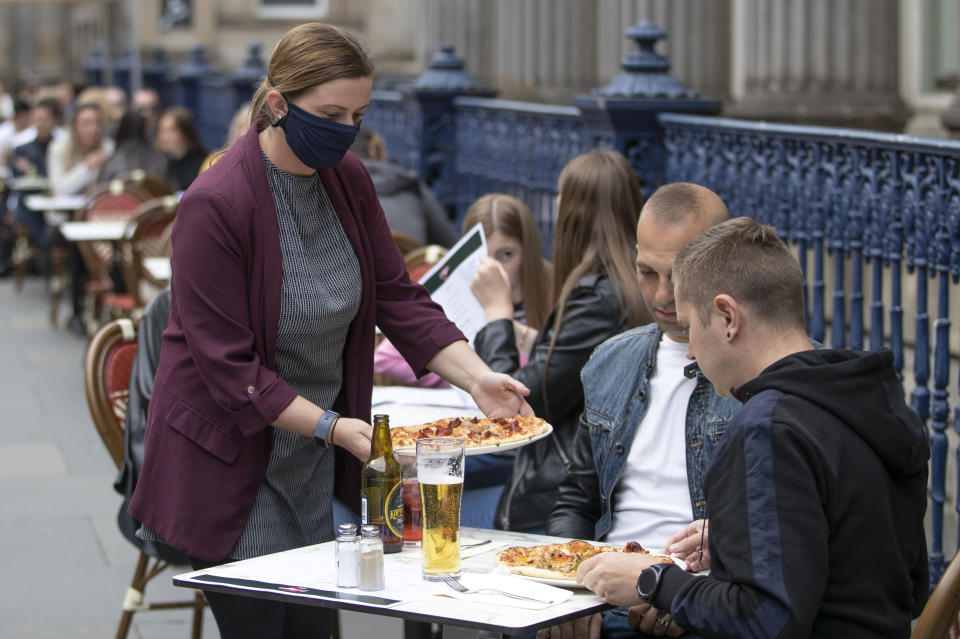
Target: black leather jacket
x=592, y=314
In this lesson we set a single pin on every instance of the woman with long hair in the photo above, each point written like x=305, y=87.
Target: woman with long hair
x=74, y=160
x=513, y=242
x=178, y=139
x=596, y=297
x=283, y=265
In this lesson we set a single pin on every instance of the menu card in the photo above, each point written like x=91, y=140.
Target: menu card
x=448, y=282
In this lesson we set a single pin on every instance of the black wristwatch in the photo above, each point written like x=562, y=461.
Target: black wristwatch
x=648, y=583
x=323, y=428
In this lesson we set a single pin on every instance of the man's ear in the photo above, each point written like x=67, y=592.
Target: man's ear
x=731, y=314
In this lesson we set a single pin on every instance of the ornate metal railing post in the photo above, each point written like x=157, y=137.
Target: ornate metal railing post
x=156, y=74
x=187, y=86
x=95, y=66
x=121, y=71
x=623, y=114
x=247, y=77
x=435, y=89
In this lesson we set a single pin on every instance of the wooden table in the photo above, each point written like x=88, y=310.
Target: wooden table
x=308, y=576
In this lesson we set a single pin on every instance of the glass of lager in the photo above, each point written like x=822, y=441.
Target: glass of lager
x=440, y=473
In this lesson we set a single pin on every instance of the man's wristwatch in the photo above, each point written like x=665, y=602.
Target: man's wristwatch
x=323, y=428
x=648, y=583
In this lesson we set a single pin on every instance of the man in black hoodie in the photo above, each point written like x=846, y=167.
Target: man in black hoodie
x=817, y=493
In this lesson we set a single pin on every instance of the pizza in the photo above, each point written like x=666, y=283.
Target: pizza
x=475, y=431
x=560, y=561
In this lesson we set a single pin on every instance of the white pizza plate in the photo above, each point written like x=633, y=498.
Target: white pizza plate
x=562, y=583
x=483, y=450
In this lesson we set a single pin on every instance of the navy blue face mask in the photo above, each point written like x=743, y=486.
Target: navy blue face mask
x=317, y=142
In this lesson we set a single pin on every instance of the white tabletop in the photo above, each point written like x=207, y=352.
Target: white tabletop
x=308, y=575
x=55, y=202
x=25, y=183
x=158, y=267
x=108, y=230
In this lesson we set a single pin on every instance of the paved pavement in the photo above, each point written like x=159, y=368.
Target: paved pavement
x=65, y=565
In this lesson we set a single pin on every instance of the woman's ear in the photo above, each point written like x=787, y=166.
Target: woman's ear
x=277, y=105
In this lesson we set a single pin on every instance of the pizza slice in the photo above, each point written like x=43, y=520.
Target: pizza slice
x=560, y=561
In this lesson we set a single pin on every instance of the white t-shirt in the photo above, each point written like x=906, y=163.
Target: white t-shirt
x=652, y=500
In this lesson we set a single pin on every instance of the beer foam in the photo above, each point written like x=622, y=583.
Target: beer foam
x=436, y=477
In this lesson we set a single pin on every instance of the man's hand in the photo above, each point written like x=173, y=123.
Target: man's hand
x=613, y=576
x=686, y=544
x=645, y=619
x=354, y=435
x=500, y=395
x=491, y=287
x=582, y=628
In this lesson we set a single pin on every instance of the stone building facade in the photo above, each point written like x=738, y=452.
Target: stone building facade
x=883, y=64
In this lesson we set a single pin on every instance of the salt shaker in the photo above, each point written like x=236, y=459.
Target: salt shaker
x=371, y=558
x=348, y=556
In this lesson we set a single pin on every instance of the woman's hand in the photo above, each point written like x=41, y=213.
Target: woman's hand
x=95, y=159
x=500, y=395
x=491, y=287
x=354, y=435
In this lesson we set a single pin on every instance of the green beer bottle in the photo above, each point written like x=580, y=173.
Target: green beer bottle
x=381, y=495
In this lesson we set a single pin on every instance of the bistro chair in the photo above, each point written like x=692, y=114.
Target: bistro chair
x=155, y=185
x=421, y=260
x=107, y=368
x=940, y=618
x=103, y=259
x=147, y=235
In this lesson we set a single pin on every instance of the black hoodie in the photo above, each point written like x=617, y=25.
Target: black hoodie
x=816, y=498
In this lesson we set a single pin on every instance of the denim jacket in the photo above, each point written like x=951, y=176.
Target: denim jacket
x=615, y=383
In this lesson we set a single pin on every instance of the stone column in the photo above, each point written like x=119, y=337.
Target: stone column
x=951, y=117
x=698, y=46
x=831, y=62
x=466, y=24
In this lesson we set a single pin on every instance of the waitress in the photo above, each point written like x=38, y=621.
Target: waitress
x=283, y=264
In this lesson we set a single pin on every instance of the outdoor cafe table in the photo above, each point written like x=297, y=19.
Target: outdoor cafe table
x=158, y=268
x=308, y=576
x=94, y=230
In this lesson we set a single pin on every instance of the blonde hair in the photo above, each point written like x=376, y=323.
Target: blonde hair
x=308, y=55
x=510, y=216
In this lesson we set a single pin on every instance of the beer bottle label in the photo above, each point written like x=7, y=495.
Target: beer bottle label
x=393, y=509
x=364, y=512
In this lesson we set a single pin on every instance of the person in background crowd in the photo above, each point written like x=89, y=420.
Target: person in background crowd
x=6, y=105
x=114, y=106
x=647, y=431
x=74, y=161
x=513, y=241
x=596, y=297
x=283, y=264
x=146, y=102
x=408, y=203
x=133, y=150
x=31, y=159
x=66, y=95
x=178, y=139
x=15, y=132
x=817, y=492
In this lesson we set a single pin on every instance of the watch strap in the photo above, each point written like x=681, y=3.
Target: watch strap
x=323, y=428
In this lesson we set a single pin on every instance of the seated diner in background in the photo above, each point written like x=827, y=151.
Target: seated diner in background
x=595, y=297
x=817, y=492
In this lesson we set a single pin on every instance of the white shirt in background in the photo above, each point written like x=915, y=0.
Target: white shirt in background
x=652, y=499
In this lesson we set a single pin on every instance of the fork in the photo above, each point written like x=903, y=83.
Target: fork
x=459, y=587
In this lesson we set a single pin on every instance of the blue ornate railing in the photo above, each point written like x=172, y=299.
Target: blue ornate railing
x=515, y=148
x=397, y=120
x=865, y=199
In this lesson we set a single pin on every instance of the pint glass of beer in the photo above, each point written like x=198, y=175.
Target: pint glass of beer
x=440, y=473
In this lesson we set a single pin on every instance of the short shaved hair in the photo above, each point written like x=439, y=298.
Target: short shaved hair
x=683, y=202
x=748, y=261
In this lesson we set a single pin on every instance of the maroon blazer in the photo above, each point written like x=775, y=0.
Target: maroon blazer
x=216, y=393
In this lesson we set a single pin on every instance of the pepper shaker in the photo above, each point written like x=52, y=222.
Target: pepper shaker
x=371, y=558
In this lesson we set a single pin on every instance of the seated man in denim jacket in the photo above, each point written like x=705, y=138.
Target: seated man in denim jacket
x=647, y=429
